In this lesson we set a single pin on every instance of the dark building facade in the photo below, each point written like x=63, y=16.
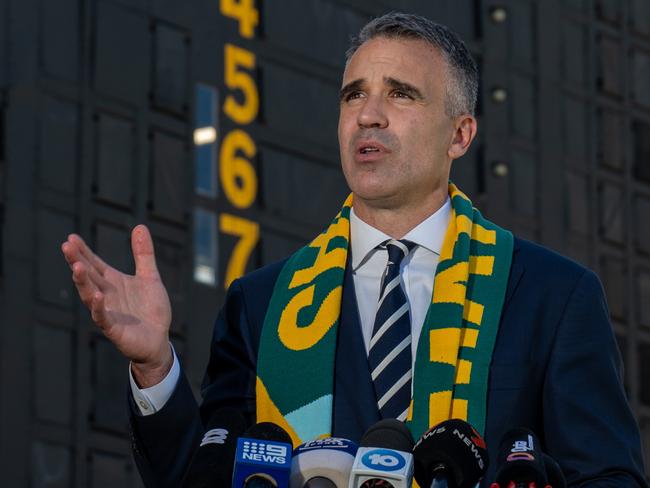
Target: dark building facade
x=214, y=122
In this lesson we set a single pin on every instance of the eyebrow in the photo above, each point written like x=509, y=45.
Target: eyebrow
x=351, y=87
x=393, y=83
x=405, y=87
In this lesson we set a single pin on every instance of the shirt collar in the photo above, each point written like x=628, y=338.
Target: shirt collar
x=430, y=233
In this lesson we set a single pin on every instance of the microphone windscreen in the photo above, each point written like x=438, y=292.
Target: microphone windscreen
x=455, y=447
x=322, y=463
x=263, y=457
x=389, y=434
x=520, y=459
x=268, y=431
x=384, y=457
x=554, y=473
x=322, y=483
x=212, y=463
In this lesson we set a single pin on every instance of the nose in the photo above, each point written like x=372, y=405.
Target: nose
x=372, y=113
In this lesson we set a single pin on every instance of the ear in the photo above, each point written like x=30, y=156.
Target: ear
x=465, y=127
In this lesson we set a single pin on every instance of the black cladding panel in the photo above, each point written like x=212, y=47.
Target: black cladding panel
x=305, y=17
x=51, y=465
x=109, y=368
x=171, y=68
x=641, y=149
x=642, y=232
x=289, y=190
x=115, y=160
x=60, y=36
x=301, y=106
x=54, y=285
x=53, y=387
x=108, y=470
x=4, y=18
x=122, y=55
x=575, y=132
x=100, y=97
x=169, y=185
x=59, y=142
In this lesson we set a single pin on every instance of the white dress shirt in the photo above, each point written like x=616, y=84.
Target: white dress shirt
x=368, y=264
x=416, y=270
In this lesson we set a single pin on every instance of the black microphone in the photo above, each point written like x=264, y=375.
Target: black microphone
x=450, y=455
x=554, y=473
x=520, y=461
x=384, y=457
x=212, y=463
x=263, y=457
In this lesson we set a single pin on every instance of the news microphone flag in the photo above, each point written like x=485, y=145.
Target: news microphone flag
x=265, y=454
x=520, y=460
x=321, y=460
x=384, y=455
x=451, y=453
x=372, y=463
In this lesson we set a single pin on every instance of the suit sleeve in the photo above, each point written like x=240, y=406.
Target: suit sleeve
x=164, y=443
x=588, y=425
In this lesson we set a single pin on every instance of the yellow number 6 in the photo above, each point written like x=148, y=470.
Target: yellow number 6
x=237, y=174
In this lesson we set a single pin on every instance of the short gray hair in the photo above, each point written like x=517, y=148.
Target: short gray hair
x=462, y=89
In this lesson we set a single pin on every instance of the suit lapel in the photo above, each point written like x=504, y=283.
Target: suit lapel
x=516, y=271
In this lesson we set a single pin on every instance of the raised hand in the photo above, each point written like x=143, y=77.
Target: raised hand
x=133, y=312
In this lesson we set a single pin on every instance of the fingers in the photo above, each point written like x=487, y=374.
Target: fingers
x=143, y=254
x=87, y=253
x=75, y=249
x=85, y=286
x=97, y=309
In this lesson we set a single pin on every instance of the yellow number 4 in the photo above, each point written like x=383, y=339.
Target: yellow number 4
x=245, y=12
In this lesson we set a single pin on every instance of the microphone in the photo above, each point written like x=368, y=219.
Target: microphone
x=450, y=455
x=263, y=457
x=520, y=461
x=323, y=463
x=212, y=463
x=554, y=474
x=384, y=458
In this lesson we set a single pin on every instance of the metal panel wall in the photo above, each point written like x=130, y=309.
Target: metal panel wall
x=116, y=112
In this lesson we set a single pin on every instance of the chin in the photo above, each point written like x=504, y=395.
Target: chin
x=375, y=197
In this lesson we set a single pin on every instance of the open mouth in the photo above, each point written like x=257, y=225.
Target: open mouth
x=368, y=149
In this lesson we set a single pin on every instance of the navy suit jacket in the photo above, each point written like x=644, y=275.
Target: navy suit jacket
x=555, y=369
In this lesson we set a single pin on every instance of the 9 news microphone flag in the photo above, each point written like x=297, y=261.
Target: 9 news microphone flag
x=263, y=457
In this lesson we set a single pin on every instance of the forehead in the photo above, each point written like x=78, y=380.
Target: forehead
x=413, y=60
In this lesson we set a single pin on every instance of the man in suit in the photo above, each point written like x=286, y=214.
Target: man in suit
x=407, y=103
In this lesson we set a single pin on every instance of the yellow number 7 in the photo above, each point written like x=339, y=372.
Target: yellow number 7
x=248, y=233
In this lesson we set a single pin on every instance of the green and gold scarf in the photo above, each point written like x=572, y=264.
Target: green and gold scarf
x=295, y=368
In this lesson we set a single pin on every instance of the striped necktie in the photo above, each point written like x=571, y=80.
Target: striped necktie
x=389, y=355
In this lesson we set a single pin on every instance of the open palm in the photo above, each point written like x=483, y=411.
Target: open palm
x=133, y=311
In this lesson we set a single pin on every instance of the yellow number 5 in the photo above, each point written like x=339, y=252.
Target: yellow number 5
x=236, y=59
